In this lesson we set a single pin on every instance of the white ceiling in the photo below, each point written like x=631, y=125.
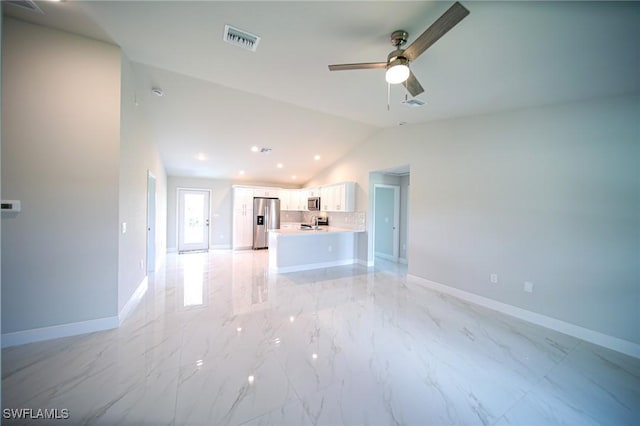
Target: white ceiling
x=220, y=100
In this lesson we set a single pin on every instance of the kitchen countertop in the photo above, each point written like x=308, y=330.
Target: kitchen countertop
x=320, y=230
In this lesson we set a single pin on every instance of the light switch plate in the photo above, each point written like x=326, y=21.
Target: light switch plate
x=13, y=206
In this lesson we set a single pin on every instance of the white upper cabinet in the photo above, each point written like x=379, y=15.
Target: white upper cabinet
x=266, y=192
x=340, y=197
x=285, y=199
x=313, y=192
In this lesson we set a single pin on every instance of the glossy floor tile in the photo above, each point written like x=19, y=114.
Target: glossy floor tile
x=218, y=340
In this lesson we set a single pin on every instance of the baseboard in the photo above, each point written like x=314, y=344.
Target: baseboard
x=133, y=300
x=220, y=247
x=366, y=264
x=57, y=331
x=592, y=336
x=310, y=266
x=386, y=257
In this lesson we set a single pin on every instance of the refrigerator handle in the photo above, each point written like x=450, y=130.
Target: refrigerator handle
x=266, y=218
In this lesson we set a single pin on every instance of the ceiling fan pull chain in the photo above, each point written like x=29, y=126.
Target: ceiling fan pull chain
x=388, y=96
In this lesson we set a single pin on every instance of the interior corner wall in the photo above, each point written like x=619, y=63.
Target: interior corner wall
x=138, y=156
x=404, y=216
x=549, y=195
x=60, y=158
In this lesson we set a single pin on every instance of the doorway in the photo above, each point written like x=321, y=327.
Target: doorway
x=151, y=222
x=193, y=219
x=386, y=219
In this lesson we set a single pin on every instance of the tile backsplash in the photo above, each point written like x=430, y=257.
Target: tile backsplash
x=355, y=220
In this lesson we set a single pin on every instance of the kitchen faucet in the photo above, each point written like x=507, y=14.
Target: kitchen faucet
x=314, y=218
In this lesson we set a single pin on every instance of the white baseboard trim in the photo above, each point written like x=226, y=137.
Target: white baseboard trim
x=133, y=300
x=366, y=264
x=57, y=331
x=220, y=247
x=309, y=266
x=386, y=257
x=592, y=336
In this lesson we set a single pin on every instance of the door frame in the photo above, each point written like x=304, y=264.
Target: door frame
x=396, y=219
x=207, y=218
x=151, y=221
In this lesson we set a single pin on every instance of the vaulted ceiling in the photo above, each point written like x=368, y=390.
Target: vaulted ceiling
x=221, y=100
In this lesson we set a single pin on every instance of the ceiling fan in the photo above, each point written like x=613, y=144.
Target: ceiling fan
x=397, y=64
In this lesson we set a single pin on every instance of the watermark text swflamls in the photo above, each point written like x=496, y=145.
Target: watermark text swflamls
x=35, y=413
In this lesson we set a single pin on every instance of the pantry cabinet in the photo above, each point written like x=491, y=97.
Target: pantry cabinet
x=242, y=218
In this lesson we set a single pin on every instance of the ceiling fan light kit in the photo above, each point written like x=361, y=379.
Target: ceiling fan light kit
x=397, y=65
x=397, y=71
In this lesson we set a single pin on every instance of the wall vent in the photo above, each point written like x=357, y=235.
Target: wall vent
x=240, y=38
x=25, y=4
x=413, y=103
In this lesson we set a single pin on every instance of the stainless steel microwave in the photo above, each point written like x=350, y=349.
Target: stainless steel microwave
x=313, y=204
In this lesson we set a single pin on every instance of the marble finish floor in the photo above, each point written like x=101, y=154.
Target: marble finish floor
x=218, y=340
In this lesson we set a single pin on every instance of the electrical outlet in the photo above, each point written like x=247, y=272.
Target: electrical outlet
x=528, y=286
x=494, y=278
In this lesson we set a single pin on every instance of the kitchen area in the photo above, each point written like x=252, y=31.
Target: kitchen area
x=303, y=229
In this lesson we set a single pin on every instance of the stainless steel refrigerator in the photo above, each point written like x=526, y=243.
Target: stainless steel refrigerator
x=266, y=216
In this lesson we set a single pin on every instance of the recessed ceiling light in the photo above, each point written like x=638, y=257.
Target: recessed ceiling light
x=201, y=157
x=241, y=172
x=280, y=165
x=157, y=91
x=294, y=177
x=255, y=149
x=316, y=157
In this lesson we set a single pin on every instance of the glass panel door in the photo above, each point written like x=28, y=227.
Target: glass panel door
x=193, y=219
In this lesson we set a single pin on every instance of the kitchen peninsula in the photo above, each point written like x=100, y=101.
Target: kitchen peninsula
x=295, y=249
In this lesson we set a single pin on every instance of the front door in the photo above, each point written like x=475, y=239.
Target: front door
x=193, y=219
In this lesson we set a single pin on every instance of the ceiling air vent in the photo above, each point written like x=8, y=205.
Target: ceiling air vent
x=413, y=103
x=25, y=4
x=240, y=38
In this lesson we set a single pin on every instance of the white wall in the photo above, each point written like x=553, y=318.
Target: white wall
x=138, y=155
x=550, y=195
x=60, y=157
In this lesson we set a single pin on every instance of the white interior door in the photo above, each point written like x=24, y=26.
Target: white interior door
x=193, y=219
x=386, y=240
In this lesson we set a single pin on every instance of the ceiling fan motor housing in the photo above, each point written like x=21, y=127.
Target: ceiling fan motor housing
x=399, y=38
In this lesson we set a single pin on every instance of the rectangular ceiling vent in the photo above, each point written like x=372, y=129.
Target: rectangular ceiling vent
x=25, y=4
x=240, y=38
x=413, y=103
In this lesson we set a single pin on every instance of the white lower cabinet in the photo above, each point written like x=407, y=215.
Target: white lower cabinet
x=242, y=218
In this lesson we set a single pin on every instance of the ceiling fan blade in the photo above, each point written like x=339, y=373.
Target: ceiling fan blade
x=362, y=66
x=413, y=85
x=448, y=20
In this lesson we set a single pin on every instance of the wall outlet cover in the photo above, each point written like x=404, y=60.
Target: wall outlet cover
x=528, y=286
